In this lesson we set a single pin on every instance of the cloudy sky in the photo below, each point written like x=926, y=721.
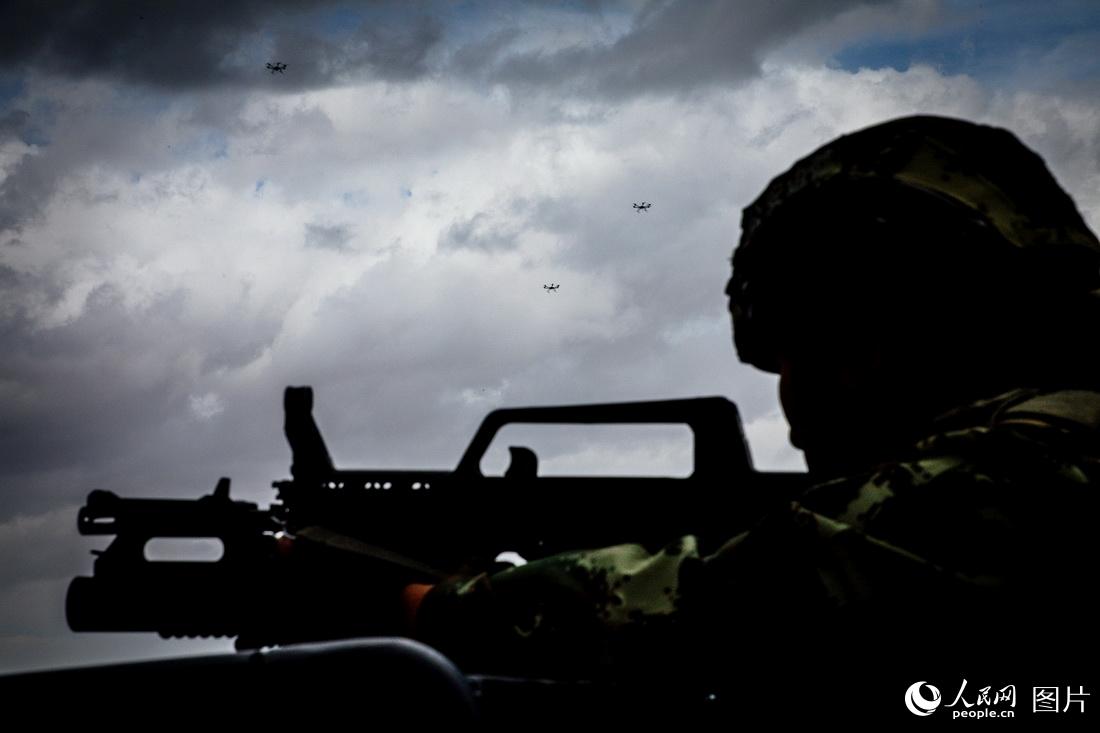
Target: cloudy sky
x=183, y=233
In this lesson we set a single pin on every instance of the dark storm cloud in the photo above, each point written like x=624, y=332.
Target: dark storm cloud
x=103, y=385
x=481, y=55
x=672, y=47
x=179, y=44
x=334, y=236
x=13, y=124
x=67, y=378
x=25, y=189
x=401, y=51
x=394, y=51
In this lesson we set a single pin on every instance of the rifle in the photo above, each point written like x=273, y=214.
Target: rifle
x=371, y=529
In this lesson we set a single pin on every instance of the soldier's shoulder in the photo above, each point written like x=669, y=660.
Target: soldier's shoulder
x=994, y=451
x=1023, y=433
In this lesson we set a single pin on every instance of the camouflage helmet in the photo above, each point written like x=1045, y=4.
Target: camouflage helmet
x=921, y=171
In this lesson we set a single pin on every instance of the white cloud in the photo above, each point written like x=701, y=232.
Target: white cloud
x=207, y=406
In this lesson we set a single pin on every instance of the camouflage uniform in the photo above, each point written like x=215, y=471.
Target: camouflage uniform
x=981, y=526
x=990, y=509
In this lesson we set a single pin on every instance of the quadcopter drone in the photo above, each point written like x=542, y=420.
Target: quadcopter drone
x=642, y=206
x=551, y=287
x=278, y=66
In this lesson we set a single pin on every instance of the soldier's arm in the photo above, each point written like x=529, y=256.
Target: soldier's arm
x=564, y=614
x=908, y=540
x=626, y=609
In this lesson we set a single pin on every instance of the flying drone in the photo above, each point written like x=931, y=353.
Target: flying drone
x=278, y=66
x=642, y=206
x=551, y=287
